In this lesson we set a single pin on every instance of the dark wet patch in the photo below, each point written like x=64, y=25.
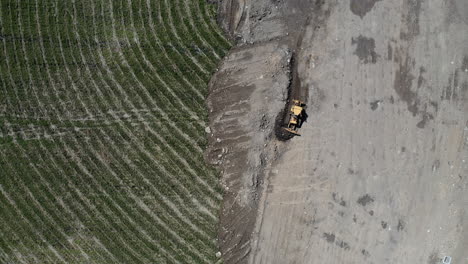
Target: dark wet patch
x=450, y=91
x=401, y=225
x=389, y=52
x=362, y=7
x=365, y=49
x=375, y=104
x=338, y=200
x=392, y=100
x=425, y=117
x=371, y=212
x=365, y=200
x=464, y=66
x=384, y=224
x=403, y=149
x=343, y=245
x=335, y=105
x=435, y=105
x=365, y=253
x=341, y=213
x=350, y=171
x=402, y=85
x=411, y=19
x=421, y=79
x=329, y=237
x=354, y=219
x=464, y=91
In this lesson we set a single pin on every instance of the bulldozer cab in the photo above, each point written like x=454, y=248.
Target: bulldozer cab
x=296, y=117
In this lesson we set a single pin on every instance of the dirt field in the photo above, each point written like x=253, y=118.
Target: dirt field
x=380, y=174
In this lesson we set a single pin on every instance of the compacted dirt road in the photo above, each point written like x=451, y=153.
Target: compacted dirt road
x=380, y=174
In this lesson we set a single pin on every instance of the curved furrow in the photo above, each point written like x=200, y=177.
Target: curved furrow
x=188, y=153
x=20, y=215
x=5, y=102
x=110, y=116
x=140, y=81
x=45, y=55
x=151, y=71
x=24, y=66
x=156, y=50
x=60, y=207
x=176, y=75
x=9, y=248
x=147, y=155
x=161, y=222
x=155, y=134
x=17, y=88
x=208, y=11
x=81, y=203
x=42, y=216
x=145, y=164
x=191, y=172
x=183, y=25
x=117, y=202
x=4, y=258
x=23, y=236
x=67, y=70
x=131, y=250
x=182, y=38
x=164, y=115
x=38, y=205
x=198, y=24
x=185, y=64
x=188, y=168
x=178, y=53
x=111, y=207
x=27, y=60
x=65, y=63
x=169, y=206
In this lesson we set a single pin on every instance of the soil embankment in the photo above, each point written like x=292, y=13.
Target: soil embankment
x=248, y=98
x=246, y=94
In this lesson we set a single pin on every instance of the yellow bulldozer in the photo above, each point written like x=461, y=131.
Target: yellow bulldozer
x=296, y=117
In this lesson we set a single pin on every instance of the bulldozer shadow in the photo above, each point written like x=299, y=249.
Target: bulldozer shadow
x=303, y=119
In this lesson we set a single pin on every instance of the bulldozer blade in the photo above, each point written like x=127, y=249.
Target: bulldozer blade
x=292, y=131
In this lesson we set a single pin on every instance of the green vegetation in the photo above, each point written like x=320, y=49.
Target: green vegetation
x=102, y=119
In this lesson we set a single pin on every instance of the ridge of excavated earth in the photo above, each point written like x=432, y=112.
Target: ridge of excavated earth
x=380, y=172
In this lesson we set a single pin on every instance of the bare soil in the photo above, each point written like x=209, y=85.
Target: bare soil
x=379, y=174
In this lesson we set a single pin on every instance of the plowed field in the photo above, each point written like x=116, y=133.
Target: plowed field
x=102, y=131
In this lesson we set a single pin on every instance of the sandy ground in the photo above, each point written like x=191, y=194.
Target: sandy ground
x=380, y=174
x=247, y=93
